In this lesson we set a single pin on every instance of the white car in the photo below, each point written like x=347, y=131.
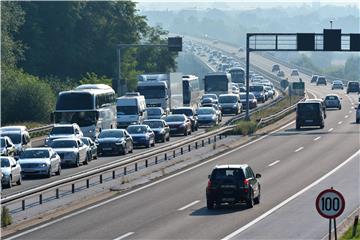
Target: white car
x=332, y=101
x=64, y=131
x=39, y=161
x=72, y=151
x=11, y=172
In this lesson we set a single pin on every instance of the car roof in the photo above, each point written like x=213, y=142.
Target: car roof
x=229, y=94
x=183, y=108
x=154, y=120
x=14, y=128
x=113, y=130
x=138, y=125
x=332, y=95
x=38, y=148
x=230, y=166
x=313, y=101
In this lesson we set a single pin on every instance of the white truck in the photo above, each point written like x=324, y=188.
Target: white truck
x=130, y=109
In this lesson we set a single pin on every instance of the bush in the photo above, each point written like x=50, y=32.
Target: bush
x=25, y=97
x=245, y=128
x=5, y=217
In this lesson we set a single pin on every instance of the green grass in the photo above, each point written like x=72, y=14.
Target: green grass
x=348, y=233
x=5, y=217
x=244, y=127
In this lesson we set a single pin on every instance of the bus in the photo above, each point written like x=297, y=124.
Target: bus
x=91, y=106
x=218, y=83
x=237, y=75
x=191, y=91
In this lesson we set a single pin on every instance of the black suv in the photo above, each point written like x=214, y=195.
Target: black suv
x=233, y=184
x=353, y=86
x=191, y=114
x=321, y=81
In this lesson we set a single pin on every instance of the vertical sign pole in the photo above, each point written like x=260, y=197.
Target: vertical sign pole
x=335, y=228
x=247, y=117
x=330, y=229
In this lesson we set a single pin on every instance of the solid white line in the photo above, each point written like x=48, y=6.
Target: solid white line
x=261, y=217
x=340, y=122
x=272, y=164
x=330, y=129
x=189, y=205
x=299, y=149
x=350, y=111
x=346, y=116
x=315, y=139
x=146, y=186
x=124, y=236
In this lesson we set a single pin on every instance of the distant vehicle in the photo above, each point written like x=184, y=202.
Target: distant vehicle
x=7, y=147
x=191, y=90
x=142, y=135
x=237, y=74
x=353, y=86
x=116, y=141
x=235, y=90
x=314, y=78
x=72, y=151
x=216, y=108
x=179, y=124
x=230, y=103
x=233, y=184
x=155, y=113
x=242, y=89
x=92, y=148
x=130, y=110
x=217, y=83
x=11, y=172
x=358, y=114
x=280, y=74
x=337, y=84
x=294, y=72
x=321, y=81
x=252, y=100
x=19, y=136
x=91, y=106
x=332, y=101
x=275, y=68
x=160, y=128
x=310, y=112
x=269, y=91
x=259, y=92
x=39, y=161
x=191, y=114
x=63, y=131
x=207, y=116
x=214, y=98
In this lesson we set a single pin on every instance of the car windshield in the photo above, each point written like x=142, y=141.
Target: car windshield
x=2, y=142
x=205, y=111
x=111, y=134
x=227, y=99
x=38, y=153
x=243, y=96
x=127, y=110
x=173, y=118
x=256, y=88
x=64, y=144
x=5, y=162
x=227, y=173
x=15, y=137
x=153, y=111
x=62, y=130
x=136, y=129
x=154, y=124
x=308, y=108
x=212, y=96
x=187, y=112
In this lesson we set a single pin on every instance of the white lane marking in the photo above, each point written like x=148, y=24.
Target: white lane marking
x=330, y=129
x=340, y=122
x=350, y=111
x=315, y=139
x=346, y=116
x=124, y=236
x=189, y=205
x=286, y=201
x=299, y=149
x=272, y=164
x=146, y=186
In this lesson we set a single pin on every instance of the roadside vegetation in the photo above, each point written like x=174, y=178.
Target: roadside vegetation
x=5, y=217
x=48, y=47
x=349, y=232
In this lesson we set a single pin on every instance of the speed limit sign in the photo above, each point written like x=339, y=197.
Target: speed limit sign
x=330, y=203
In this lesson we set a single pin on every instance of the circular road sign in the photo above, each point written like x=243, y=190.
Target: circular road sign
x=330, y=203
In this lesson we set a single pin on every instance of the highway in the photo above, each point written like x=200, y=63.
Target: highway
x=174, y=207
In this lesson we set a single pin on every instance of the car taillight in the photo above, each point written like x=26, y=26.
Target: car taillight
x=209, y=183
x=246, y=185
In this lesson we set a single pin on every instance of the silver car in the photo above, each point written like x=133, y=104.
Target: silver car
x=39, y=161
x=11, y=172
x=332, y=101
x=72, y=151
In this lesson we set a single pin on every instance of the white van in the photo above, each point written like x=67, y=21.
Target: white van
x=130, y=110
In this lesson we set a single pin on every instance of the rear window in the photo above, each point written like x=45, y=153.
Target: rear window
x=331, y=98
x=187, y=112
x=308, y=107
x=227, y=173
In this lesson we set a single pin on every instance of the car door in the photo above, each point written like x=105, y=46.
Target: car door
x=54, y=162
x=82, y=150
x=15, y=169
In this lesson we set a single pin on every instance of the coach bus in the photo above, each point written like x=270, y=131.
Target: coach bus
x=91, y=106
x=217, y=83
x=191, y=90
x=237, y=75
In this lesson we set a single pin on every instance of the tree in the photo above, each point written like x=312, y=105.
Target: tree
x=352, y=68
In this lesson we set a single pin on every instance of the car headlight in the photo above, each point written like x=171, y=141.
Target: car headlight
x=235, y=105
x=43, y=165
x=213, y=117
x=162, y=131
x=120, y=142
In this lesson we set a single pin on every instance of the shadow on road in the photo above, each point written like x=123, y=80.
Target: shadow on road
x=219, y=210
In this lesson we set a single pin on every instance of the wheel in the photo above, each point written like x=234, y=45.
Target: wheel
x=9, y=185
x=186, y=132
x=58, y=171
x=190, y=132
x=250, y=200
x=168, y=138
x=19, y=181
x=257, y=199
x=48, y=175
x=148, y=144
x=298, y=126
x=96, y=156
x=86, y=161
x=131, y=149
x=153, y=144
x=197, y=127
x=321, y=126
x=163, y=139
x=124, y=150
x=209, y=204
x=340, y=107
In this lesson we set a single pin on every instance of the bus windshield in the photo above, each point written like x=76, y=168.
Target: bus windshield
x=237, y=76
x=152, y=91
x=216, y=83
x=75, y=101
x=83, y=118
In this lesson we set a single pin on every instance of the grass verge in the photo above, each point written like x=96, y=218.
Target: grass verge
x=5, y=217
x=348, y=233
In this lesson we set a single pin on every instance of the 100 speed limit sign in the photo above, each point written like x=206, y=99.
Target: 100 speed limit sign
x=330, y=203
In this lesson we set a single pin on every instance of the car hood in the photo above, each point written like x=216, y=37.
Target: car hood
x=61, y=136
x=227, y=104
x=65, y=150
x=206, y=116
x=138, y=135
x=175, y=123
x=157, y=129
x=109, y=140
x=34, y=160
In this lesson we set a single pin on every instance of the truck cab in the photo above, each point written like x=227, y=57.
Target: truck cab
x=130, y=110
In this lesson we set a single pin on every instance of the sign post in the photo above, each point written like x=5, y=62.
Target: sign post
x=330, y=204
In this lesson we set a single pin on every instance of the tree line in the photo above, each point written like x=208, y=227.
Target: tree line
x=49, y=47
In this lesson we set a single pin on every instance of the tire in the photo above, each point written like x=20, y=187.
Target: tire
x=124, y=150
x=186, y=132
x=9, y=185
x=340, y=107
x=58, y=172
x=86, y=162
x=321, y=126
x=132, y=148
x=148, y=145
x=250, y=200
x=168, y=138
x=209, y=204
x=48, y=175
x=298, y=126
x=163, y=139
x=153, y=144
x=197, y=127
x=96, y=156
x=19, y=181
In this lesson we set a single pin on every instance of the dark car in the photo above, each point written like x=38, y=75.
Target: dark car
x=275, y=68
x=92, y=148
x=155, y=113
x=230, y=104
x=179, y=124
x=280, y=74
x=207, y=116
x=211, y=96
x=259, y=92
x=160, y=128
x=310, y=112
x=353, y=86
x=190, y=113
x=142, y=135
x=233, y=184
x=314, y=78
x=116, y=141
x=321, y=81
x=252, y=100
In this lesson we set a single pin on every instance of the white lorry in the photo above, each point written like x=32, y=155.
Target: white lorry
x=130, y=109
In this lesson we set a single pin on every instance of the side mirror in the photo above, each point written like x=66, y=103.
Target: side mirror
x=14, y=165
x=166, y=125
x=258, y=175
x=209, y=176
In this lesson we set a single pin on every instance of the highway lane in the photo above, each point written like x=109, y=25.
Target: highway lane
x=154, y=212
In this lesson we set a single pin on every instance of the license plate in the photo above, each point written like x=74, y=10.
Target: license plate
x=107, y=149
x=228, y=186
x=228, y=199
x=309, y=121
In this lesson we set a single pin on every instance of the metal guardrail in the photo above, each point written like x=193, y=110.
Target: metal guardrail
x=41, y=129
